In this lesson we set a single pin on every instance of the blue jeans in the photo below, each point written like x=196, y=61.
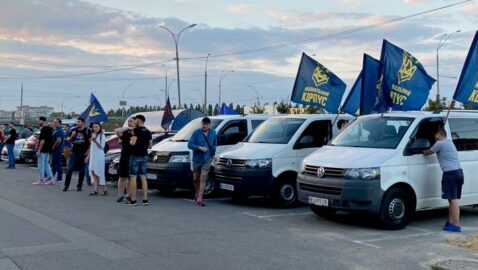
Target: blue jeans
x=56, y=166
x=44, y=166
x=11, y=156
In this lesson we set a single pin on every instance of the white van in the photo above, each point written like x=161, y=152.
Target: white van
x=266, y=164
x=169, y=165
x=375, y=165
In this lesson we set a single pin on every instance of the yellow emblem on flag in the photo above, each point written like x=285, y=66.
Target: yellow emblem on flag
x=320, y=76
x=94, y=112
x=408, y=68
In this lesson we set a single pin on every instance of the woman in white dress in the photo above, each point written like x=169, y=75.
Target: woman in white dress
x=96, y=157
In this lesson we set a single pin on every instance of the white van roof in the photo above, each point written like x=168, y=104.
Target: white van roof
x=248, y=116
x=315, y=116
x=424, y=114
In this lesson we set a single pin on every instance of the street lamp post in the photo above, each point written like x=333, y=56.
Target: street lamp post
x=257, y=93
x=224, y=73
x=123, y=102
x=176, y=41
x=205, y=84
x=443, y=39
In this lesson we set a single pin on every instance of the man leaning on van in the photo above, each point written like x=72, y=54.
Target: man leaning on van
x=452, y=180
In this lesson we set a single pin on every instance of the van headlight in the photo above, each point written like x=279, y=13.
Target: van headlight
x=363, y=174
x=259, y=163
x=179, y=159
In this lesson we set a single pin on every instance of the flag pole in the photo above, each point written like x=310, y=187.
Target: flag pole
x=336, y=117
x=448, y=112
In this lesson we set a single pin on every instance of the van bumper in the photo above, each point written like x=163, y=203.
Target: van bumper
x=176, y=175
x=247, y=181
x=342, y=194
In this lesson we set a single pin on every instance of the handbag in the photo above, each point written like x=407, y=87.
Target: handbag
x=209, y=145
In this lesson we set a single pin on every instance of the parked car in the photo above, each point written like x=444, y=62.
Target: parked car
x=16, y=151
x=266, y=164
x=169, y=165
x=113, y=156
x=375, y=165
x=29, y=149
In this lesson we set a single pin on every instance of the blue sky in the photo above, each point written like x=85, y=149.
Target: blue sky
x=61, y=50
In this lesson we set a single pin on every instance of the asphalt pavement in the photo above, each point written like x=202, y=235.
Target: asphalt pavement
x=42, y=227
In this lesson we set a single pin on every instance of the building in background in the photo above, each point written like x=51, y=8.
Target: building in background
x=268, y=109
x=34, y=112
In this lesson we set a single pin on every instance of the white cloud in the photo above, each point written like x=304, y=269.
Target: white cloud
x=241, y=9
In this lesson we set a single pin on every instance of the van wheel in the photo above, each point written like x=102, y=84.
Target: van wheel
x=396, y=209
x=285, y=193
x=325, y=212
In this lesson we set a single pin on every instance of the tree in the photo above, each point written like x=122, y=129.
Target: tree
x=311, y=110
x=283, y=107
x=257, y=108
x=435, y=105
x=239, y=109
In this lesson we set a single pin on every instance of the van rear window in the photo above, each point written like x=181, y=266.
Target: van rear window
x=464, y=133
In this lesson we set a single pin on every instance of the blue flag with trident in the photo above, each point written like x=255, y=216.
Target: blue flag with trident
x=405, y=84
x=94, y=113
x=467, y=88
x=317, y=86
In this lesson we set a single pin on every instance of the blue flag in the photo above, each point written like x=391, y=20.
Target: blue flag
x=370, y=87
x=225, y=110
x=352, y=102
x=94, y=113
x=467, y=88
x=405, y=84
x=168, y=116
x=317, y=86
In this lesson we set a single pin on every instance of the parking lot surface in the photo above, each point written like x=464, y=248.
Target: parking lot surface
x=42, y=227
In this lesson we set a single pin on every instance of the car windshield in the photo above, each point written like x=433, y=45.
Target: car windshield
x=185, y=133
x=374, y=132
x=276, y=130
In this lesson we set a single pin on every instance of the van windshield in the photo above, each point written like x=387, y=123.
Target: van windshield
x=276, y=130
x=186, y=132
x=376, y=132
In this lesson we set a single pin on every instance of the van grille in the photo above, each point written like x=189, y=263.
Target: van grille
x=159, y=157
x=239, y=163
x=329, y=172
x=321, y=189
x=228, y=177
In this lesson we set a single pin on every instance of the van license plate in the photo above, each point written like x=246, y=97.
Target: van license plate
x=318, y=201
x=151, y=176
x=227, y=187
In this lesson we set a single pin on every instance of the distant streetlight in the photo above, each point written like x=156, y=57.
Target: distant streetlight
x=205, y=84
x=257, y=93
x=444, y=38
x=123, y=101
x=224, y=73
x=176, y=41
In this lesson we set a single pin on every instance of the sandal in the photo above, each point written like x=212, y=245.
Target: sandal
x=104, y=193
x=93, y=193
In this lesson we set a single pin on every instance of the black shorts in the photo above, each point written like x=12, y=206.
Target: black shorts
x=123, y=171
x=451, y=184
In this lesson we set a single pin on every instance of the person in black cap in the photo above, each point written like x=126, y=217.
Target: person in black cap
x=140, y=142
x=43, y=153
x=203, y=142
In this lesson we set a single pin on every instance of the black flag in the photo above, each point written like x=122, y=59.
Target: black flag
x=168, y=116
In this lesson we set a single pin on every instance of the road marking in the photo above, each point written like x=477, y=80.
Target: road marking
x=86, y=240
x=7, y=264
x=289, y=215
x=256, y=216
x=32, y=250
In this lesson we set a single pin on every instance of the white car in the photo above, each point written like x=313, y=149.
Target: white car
x=16, y=151
x=376, y=165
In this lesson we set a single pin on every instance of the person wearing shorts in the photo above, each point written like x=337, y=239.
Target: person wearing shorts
x=203, y=143
x=452, y=179
x=140, y=143
x=125, y=136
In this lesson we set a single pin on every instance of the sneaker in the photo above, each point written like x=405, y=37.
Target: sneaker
x=447, y=223
x=39, y=182
x=452, y=228
x=131, y=203
x=145, y=202
x=78, y=189
x=200, y=203
x=51, y=182
x=64, y=189
x=120, y=199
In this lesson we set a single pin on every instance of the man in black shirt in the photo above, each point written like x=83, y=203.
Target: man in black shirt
x=43, y=153
x=10, y=144
x=140, y=142
x=80, y=138
x=125, y=135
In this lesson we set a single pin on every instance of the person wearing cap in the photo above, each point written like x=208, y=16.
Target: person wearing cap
x=203, y=142
x=140, y=142
x=43, y=153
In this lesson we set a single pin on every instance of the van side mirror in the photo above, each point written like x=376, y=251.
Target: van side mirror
x=418, y=146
